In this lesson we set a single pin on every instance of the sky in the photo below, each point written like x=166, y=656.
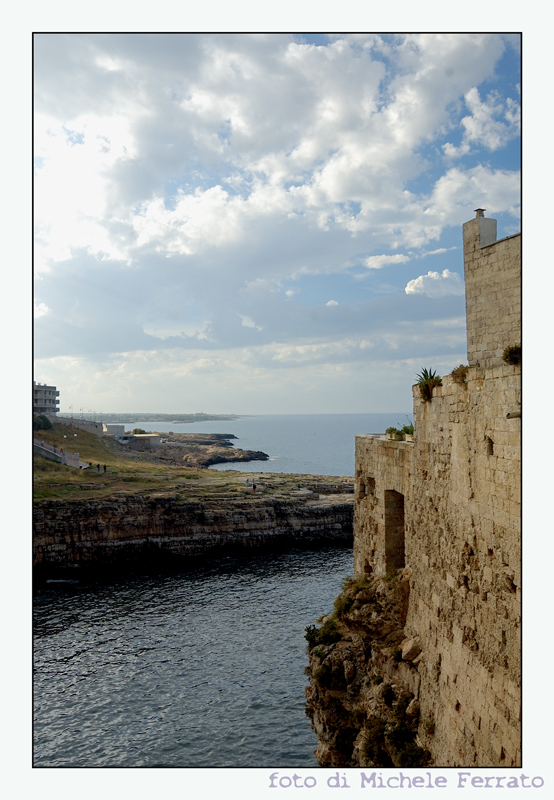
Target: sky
x=245, y=223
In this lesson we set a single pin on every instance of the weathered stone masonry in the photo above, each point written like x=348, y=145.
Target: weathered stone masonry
x=447, y=508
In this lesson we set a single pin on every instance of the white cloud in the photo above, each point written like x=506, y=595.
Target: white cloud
x=483, y=126
x=479, y=187
x=164, y=331
x=436, y=284
x=378, y=262
x=322, y=138
x=177, y=198
x=491, y=123
x=248, y=322
x=39, y=310
x=437, y=252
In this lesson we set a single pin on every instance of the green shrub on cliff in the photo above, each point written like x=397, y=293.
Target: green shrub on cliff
x=327, y=634
x=343, y=604
x=312, y=635
x=353, y=586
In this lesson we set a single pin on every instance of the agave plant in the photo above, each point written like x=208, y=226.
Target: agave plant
x=427, y=380
x=427, y=375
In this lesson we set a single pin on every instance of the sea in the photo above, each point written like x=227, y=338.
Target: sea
x=203, y=668
x=200, y=669
x=310, y=444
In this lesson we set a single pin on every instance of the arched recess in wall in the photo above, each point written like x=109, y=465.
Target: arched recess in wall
x=394, y=530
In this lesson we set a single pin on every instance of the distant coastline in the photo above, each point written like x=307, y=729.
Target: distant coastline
x=148, y=417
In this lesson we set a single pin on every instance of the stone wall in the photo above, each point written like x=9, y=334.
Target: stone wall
x=460, y=486
x=493, y=292
x=381, y=466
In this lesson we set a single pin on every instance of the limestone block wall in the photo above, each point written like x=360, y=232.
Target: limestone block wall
x=381, y=466
x=493, y=292
x=464, y=553
x=460, y=482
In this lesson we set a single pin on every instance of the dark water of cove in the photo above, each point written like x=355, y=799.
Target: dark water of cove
x=203, y=669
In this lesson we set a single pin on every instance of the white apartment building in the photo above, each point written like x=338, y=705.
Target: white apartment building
x=45, y=399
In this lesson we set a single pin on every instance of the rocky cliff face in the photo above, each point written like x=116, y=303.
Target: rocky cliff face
x=364, y=679
x=128, y=529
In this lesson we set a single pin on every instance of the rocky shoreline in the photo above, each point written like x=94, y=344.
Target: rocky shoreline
x=159, y=507
x=127, y=531
x=199, y=450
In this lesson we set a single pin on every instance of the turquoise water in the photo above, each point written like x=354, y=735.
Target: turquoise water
x=316, y=444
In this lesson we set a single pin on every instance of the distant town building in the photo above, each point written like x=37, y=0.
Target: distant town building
x=113, y=430
x=151, y=438
x=45, y=399
x=139, y=441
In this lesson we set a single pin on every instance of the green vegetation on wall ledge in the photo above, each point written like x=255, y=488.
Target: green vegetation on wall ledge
x=401, y=433
x=427, y=380
x=512, y=354
x=459, y=375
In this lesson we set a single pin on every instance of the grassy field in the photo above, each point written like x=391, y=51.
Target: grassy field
x=133, y=472
x=125, y=471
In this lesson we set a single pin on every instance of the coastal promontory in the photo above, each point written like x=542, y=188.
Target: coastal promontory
x=134, y=509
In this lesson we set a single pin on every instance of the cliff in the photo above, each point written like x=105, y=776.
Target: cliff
x=126, y=530
x=364, y=680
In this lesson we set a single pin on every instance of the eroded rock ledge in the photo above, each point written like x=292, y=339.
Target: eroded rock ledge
x=126, y=530
x=199, y=450
x=362, y=697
